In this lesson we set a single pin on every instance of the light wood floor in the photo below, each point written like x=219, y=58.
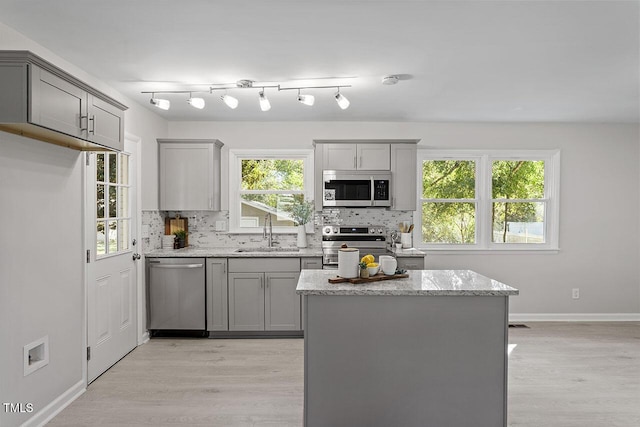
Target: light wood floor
x=560, y=375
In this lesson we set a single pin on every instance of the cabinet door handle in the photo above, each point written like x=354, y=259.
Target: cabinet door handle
x=92, y=119
x=82, y=118
x=361, y=160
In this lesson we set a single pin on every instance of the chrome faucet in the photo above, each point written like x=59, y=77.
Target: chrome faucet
x=269, y=237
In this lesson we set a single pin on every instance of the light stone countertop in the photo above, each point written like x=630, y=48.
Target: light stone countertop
x=229, y=252
x=419, y=282
x=409, y=252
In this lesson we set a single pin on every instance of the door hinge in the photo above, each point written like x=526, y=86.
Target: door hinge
x=88, y=353
x=88, y=256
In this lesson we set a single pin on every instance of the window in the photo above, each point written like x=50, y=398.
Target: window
x=266, y=182
x=113, y=213
x=488, y=200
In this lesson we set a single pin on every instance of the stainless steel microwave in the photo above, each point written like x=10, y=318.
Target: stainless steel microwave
x=356, y=188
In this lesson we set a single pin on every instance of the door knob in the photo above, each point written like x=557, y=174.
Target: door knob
x=136, y=256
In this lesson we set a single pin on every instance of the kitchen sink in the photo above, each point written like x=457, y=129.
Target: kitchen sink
x=268, y=249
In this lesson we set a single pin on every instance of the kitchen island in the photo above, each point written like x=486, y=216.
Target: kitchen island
x=427, y=350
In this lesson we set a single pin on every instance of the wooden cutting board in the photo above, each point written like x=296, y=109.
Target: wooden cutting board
x=171, y=225
x=378, y=277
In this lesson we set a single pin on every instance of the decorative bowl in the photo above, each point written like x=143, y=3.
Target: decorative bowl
x=373, y=270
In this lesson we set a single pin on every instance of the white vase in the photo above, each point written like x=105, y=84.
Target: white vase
x=302, y=237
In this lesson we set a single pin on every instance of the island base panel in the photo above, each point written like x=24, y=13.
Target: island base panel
x=406, y=360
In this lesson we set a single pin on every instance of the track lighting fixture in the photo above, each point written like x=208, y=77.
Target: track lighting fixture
x=306, y=99
x=342, y=100
x=230, y=101
x=163, y=104
x=265, y=105
x=196, y=102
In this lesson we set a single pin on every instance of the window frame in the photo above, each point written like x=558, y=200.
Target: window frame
x=118, y=185
x=236, y=156
x=484, y=200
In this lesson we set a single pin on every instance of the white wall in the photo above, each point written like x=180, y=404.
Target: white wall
x=599, y=202
x=42, y=279
x=41, y=273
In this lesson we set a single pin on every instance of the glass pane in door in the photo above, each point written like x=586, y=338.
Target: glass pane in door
x=124, y=234
x=113, y=237
x=113, y=210
x=100, y=238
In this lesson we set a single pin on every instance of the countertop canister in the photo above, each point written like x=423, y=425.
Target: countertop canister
x=348, y=259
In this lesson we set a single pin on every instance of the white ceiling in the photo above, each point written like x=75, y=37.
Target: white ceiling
x=462, y=61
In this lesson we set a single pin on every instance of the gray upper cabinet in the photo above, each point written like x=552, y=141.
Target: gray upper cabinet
x=397, y=155
x=104, y=123
x=403, y=177
x=57, y=104
x=41, y=101
x=189, y=174
x=359, y=156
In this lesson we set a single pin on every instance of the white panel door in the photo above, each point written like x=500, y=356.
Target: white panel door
x=111, y=271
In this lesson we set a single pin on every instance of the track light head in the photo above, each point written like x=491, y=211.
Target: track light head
x=230, y=101
x=162, y=104
x=306, y=99
x=342, y=100
x=196, y=102
x=265, y=105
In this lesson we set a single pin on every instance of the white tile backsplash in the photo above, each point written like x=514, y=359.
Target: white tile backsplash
x=204, y=227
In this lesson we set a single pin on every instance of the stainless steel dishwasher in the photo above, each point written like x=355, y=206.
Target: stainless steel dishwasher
x=176, y=294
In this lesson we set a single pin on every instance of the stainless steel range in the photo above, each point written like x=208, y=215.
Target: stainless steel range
x=369, y=239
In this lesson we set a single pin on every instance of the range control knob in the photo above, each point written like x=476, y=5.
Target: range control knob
x=327, y=230
x=335, y=230
x=380, y=230
x=372, y=230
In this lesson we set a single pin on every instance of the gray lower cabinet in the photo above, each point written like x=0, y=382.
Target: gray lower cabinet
x=217, y=313
x=281, y=303
x=410, y=263
x=262, y=294
x=311, y=263
x=246, y=301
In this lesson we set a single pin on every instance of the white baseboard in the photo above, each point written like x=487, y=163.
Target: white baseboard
x=574, y=317
x=47, y=413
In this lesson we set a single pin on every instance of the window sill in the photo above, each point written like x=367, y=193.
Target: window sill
x=524, y=251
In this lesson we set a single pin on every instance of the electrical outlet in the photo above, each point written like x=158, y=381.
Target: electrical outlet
x=575, y=293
